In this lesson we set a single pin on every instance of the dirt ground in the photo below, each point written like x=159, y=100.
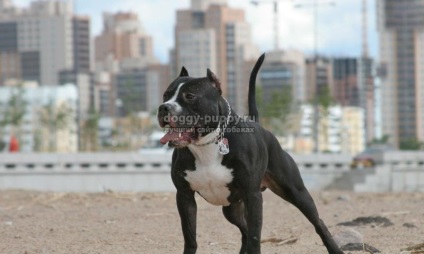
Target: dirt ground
x=126, y=223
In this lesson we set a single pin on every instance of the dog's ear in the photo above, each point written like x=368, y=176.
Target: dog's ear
x=184, y=72
x=215, y=81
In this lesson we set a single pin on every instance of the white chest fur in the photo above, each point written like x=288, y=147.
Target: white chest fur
x=210, y=179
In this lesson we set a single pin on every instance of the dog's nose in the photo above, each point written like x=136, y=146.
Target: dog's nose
x=164, y=108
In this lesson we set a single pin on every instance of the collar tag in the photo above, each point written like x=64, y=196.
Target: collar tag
x=223, y=146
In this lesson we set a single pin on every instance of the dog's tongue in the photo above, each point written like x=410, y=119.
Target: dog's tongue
x=168, y=137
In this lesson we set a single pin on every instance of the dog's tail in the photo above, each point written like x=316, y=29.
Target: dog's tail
x=253, y=109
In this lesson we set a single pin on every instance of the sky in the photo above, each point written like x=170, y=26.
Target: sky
x=338, y=30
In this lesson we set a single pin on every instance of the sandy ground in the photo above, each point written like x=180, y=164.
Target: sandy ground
x=124, y=223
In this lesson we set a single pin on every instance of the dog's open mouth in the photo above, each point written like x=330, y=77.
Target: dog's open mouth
x=178, y=137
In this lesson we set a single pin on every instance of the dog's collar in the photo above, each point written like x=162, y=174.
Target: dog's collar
x=220, y=131
x=214, y=140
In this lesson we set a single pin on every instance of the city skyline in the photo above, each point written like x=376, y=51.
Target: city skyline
x=48, y=42
x=344, y=17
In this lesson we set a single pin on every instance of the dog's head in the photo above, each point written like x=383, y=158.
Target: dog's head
x=190, y=108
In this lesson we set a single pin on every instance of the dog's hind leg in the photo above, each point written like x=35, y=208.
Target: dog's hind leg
x=235, y=214
x=283, y=178
x=301, y=198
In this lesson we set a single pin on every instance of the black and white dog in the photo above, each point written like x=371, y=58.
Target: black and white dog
x=228, y=161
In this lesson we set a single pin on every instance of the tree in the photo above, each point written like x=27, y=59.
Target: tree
x=280, y=104
x=260, y=101
x=53, y=118
x=384, y=140
x=2, y=143
x=13, y=113
x=15, y=109
x=411, y=144
x=90, y=130
x=324, y=99
x=274, y=113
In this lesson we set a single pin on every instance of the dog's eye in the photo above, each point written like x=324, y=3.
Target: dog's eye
x=189, y=96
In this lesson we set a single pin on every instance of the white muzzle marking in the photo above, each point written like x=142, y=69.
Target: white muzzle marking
x=173, y=100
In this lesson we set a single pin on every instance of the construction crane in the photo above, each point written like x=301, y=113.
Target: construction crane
x=276, y=20
x=364, y=29
x=366, y=89
x=314, y=4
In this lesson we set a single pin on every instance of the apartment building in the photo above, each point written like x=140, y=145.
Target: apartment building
x=123, y=39
x=354, y=86
x=341, y=130
x=213, y=35
x=283, y=71
x=401, y=40
x=38, y=39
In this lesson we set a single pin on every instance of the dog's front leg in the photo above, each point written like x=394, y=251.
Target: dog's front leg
x=253, y=201
x=187, y=209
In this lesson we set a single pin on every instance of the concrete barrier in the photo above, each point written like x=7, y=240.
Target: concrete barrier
x=87, y=172
x=145, y=172
x=394, y=179
x=398, y=171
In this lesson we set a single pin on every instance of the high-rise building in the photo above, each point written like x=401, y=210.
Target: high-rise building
x=201, y=5
x=129, y=78
x=123, y=38
x=38, y=42
x=213, y=35
x=4, y=4
x=82, y=44
x=104, y=94
x=10, y=59
x=401, y=37
x=284, y=69
x=130, y=86
x=140, y=89
x=348, y=90
x=80, y=73
x=319, y=76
